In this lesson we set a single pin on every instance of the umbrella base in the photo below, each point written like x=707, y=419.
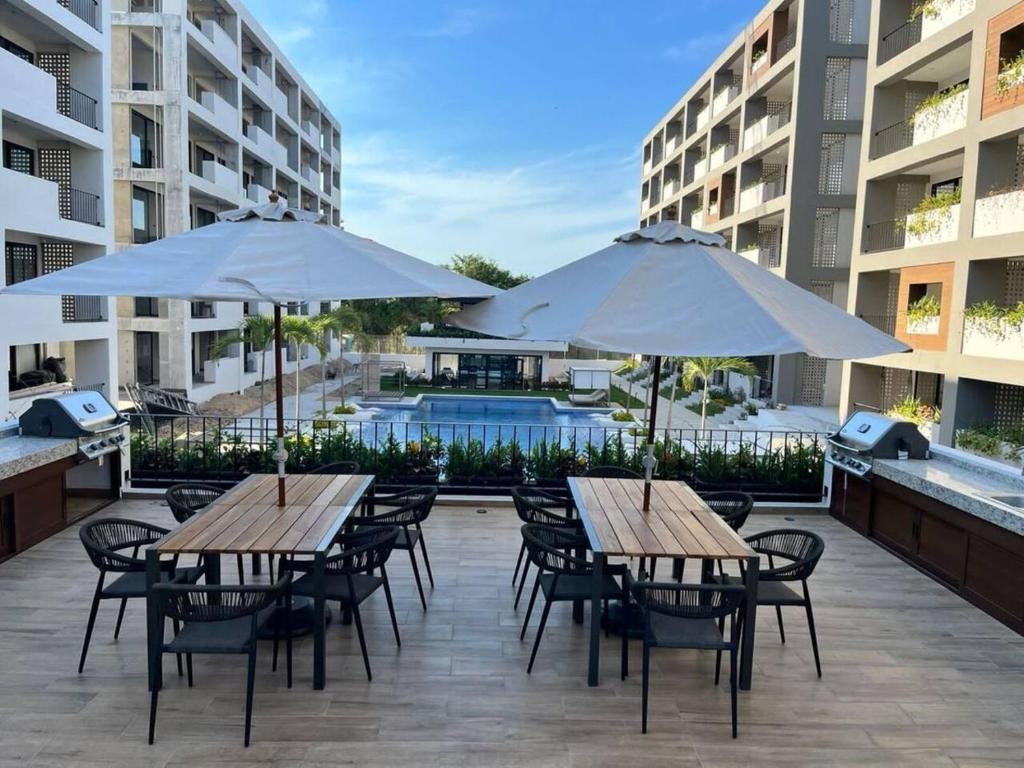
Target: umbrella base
x=298, y=624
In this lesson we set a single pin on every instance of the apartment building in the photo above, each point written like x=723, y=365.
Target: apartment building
x=207, y=115
x=55, y=194
x=939, y=223
x=763, y=148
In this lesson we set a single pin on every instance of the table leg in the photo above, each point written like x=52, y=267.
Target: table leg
x=577, y=605
x=749, y=622
x=318, y=623
x=154, y=630
x=593, y=676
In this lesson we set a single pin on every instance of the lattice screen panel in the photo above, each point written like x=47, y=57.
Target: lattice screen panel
x=892, y=296
x=826, y=237
x=928, y=388
x=840, y=21
x=913, y=97
x=1008, y=406
x=897, y=385
x=769, y=243
x=57, y=256
x=777, y=108
x=812, y=380
x=55, y=166
x=1018, y=168
x=908, y=195
x=1014, y=281
x=823, y=289
x=837, y=88
x=833, y=156
x=59, y=65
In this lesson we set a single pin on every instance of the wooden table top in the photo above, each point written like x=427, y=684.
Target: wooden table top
x=679, y=523
x=247, y=519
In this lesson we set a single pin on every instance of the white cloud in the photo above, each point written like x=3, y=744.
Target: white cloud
x=460, y=22
x=530, y=218
x=700, y=47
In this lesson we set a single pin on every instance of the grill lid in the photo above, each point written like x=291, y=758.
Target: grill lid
x=880, y=436
x=71, y=415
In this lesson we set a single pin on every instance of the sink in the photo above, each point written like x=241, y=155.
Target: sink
x=1010, y=500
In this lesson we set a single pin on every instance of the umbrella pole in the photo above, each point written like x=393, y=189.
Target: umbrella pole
x=280, y=455
x=649, y=460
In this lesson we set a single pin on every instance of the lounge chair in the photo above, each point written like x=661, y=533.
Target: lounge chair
x=597, y=397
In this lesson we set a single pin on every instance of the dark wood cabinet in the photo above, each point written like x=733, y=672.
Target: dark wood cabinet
x=32, y=506
x=973, y=557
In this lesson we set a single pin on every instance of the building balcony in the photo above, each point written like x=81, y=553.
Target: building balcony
x=86, y=10
x=311, y=177
x=218, y=113
x=281, y=103
x=724, y=97
x=221, y=177
x=947, y=116
x=932, y=227
x=934, y=17
x=37, y=96
x=999, y=214
x=720, y=155
x=220, y=41
x=700, y=168
x=697, y=220
x=673, y=144
x=759, y=64
x=39, y=205
x=672, y=187
x=280, y=156
x=757, y=132
x=996, y=337
x=261, y=142
x=335, y=156
x=262, y=83
x=312, y=131
x=761, y=192
x=258, y=194
x=85, y=309
x=703, y=118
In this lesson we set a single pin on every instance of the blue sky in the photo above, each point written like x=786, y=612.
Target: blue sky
x=510, y=129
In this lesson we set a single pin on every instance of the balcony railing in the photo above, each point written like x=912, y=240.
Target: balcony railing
x=84, y=309
x=885, y=235
x=893, y=138
x=785, y=44
x=87, y=10
x=900, y=39
x=76, y=205
x=203, y=310
x=884, y=323
x=76, y=105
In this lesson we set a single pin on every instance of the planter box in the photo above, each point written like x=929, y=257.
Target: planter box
x=944, y=226
x=928, y=326
x=949, y=116
x=945, y=13
x=757, y=65
x=751, y=254
x=697, y=220
x=721, y=155
x=700, y=168
x=1005, y=450
x=723, y=97
x=999, y=214
x=1005, y=342
x=761, y=130
x=703, y=117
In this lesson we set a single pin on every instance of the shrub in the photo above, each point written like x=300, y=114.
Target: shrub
x=912, y=409
x=923, y=309
x=934, y=100
x=344, y=410
x=1011, y=73
x=994, y=321
x=921, y=223
x=623, y=416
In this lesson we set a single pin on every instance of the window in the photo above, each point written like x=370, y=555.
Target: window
x=837, y=88
x=144, y=218
x=22, y=263
x=147, y=306
x=144, y=141
x=946, y=187
x=203, y=218
x=19, y=158
x=17, y=50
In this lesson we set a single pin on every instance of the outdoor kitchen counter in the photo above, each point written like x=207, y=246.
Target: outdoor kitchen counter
x=964, y=484
x=20, y=454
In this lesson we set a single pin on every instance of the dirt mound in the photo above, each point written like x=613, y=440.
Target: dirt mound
x=234, y=404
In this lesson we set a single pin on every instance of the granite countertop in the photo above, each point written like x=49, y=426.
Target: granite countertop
x=20, y=454
x=961, y=483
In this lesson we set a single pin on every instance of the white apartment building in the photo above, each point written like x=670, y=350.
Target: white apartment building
x=763, y=148
x=56, y=201
x=207, y=115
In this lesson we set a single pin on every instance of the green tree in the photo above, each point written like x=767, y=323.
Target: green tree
x=477, y=267
x=258, y=332
x=701, y=368
x=340, y=320
x=299, y=330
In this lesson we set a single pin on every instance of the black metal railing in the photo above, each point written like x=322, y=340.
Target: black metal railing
x=884, y=323
x=884, y=235
x=203, y=310
x=467, y=458
x=84, y=309
x=893, y=138
x=77, y=105
x=76, y=205
x=900, y=39
x=87, y=10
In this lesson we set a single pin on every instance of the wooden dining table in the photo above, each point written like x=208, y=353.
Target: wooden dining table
x=678, y=525
x=247, y=520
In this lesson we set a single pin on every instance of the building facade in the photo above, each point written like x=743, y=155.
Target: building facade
x=207, y=116
x=939, y=225
x=763, y=148
x=56, y=201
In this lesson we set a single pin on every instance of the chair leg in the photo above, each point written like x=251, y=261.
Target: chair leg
x=627, y=610
x=120, y=617
x=362, y=641
x=152, y=712
x=177, y=628
x=287, y=629
x=645, y=686
x=782, y=631
x=522, y=582
x=519, y=562
x=529, y=609
x=91, y=624
x=391, y=608
x=733, y=681
x=188, y=668
x=416, y=573
x=654, y=566
x=718, y=653
x=426, y=560
x=810, y=626
x=607, y=618
x=540, y=631
x=250, y=682
x=241, y=570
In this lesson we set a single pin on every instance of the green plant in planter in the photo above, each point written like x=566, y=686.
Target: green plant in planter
x=550, y=460
x=995, y=321
x=934, y=100
x=757, y=55
x=990, y=440
x=1011, y=74
x=923, y=309
x=923, y=224
x=928, y=8
x=465, y=458
x=912, y=409
x=623, y=416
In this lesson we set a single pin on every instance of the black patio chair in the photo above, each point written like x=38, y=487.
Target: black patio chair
x=188, y=499
x=406, y=510
x=106, y=541
x=734, y=507
x=563, y=577
x=349, y=576
x=608, y=471
x=337, y=468
x=688, y=616
x=801, y=551
x=221, y=619
x=534, y=505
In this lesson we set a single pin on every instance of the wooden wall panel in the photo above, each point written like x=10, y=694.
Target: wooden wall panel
x=941, y=273
x=994, y=102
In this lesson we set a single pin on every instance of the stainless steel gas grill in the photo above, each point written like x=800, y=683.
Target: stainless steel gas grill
x=868, y=436
x=86, y=416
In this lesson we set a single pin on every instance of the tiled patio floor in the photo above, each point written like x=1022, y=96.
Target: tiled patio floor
x=912, y=676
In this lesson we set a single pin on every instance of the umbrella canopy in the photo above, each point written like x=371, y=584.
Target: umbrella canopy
x=265, y=253
x=672, y=290
x=262, y=253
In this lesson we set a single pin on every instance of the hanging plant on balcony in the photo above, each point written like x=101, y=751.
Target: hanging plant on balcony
x=995, y=322
x=1011, y=74
x=929, y=108
x=716, y=147
x=923, y=310
x=756, y=56
x=912, y=409
x=931, y=213
x=930, y=9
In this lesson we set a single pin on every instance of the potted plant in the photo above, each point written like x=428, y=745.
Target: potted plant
x=1011, y=74
x=934, y=219
x=549, y=463
x=994, y=331
x=939, y=113
x=923, y=316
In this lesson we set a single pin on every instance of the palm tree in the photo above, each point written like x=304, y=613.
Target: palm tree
x=299, y=330
x=342, y=319
x=258, y=332
x=673, y=364
x=702, y=368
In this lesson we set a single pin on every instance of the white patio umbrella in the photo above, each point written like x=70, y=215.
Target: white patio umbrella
x=264, y=253
x=668, y=289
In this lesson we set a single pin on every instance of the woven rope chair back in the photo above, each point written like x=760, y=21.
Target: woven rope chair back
x=363, y=551
x=188, y=603
x=535, y=506
x=733, y=507
x=337, y=468
x=185, y=499
x=106, y=539
x=613, y=472
x=689, y=601
x=803, y=550
x=548, y=549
